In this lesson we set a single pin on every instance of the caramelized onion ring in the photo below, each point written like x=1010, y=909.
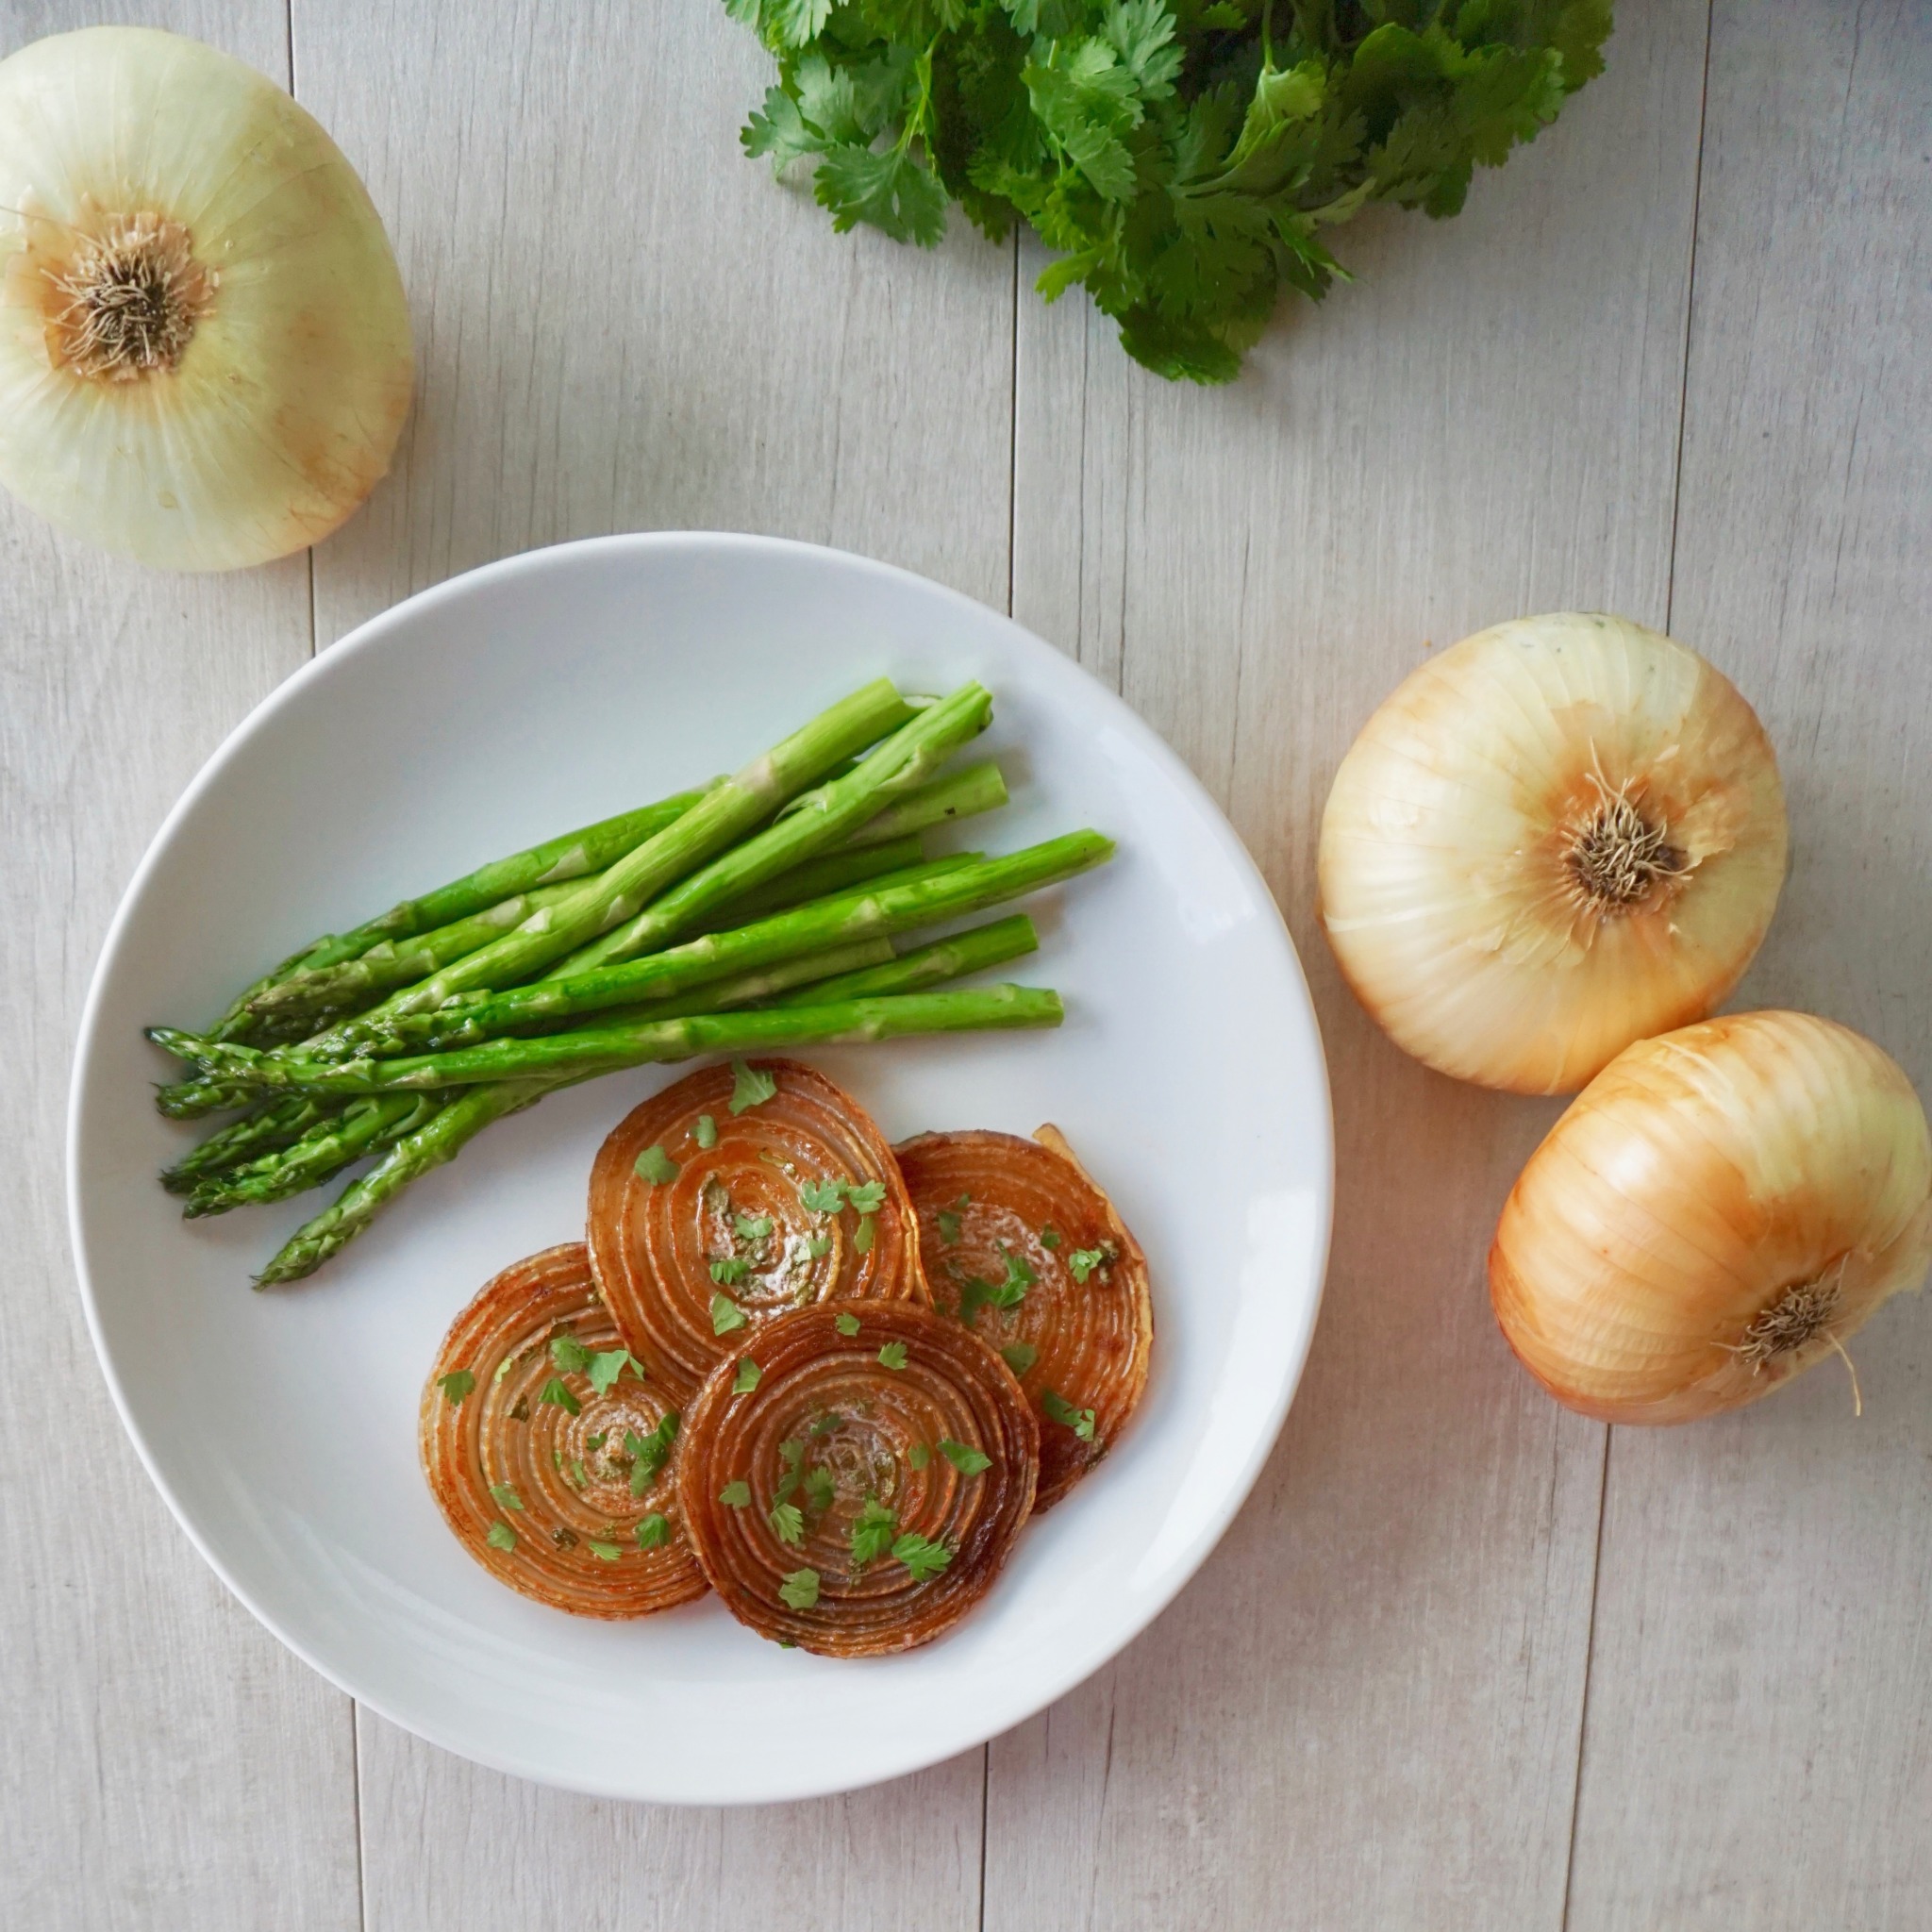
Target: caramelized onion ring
x=830, y=1428
x=662, y=1250
x=502, y=1433
x=986, y=1202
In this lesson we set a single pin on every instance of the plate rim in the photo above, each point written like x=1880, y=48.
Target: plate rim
x=372, y=634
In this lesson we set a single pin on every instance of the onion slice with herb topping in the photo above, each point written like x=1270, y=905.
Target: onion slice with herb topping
x=1021, y=1247
x=855, y=1478
x=739, y=1194
x=547, y=1452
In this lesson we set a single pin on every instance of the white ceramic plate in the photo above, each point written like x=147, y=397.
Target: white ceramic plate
x=545, y=691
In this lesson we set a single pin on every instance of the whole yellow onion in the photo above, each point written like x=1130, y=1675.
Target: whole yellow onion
x=1558, y=836
x=204, y=352
x=1717, y=1210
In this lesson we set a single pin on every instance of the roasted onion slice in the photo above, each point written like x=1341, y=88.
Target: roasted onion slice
x=855, y=1480
x=548, y=1455
x=705, y=1221
x=1021, y=1246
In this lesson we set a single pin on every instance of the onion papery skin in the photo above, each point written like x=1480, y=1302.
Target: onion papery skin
x=1690, y=1188
x=484, y=1439
x=1447, y=889
x=283, y=412
x=652, y=1243
x=952, y=1387
x=1094, y=1338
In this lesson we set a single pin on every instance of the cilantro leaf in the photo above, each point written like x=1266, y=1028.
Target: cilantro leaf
x=800, y=1590
x=725, y=1315
x=568, y=1353
x=846, y=1325
x=1020, y=1355
x=455, y=1386
x=890, y=190
x=966, y=1460
x=919, y=1456
x=787, y=1523
x=609, y=1363
x=557, y=1393
x=505, y=1496
x=500, y=1536
x=751, y=1227
x=653, y=1531
x=867, y=1198
x=746, y=1378
x=750, y=1086
x=735, y=1495
x=823, y=1197
x=1049, y=1236
x=873, y=1530
x=1060, y=1411
x=649, y=1454
x=892, y=1354
x=704, y=1131
x=922, y=1558
x=862, y=1235
x=948, y=1226
x=655, y=1166
x=729, y=1270
x=1083, y=1261
x=977, y=1292
x=608, y=1552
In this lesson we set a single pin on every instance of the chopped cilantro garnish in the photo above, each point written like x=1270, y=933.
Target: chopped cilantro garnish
x=919, y=1456
x=568, y=1353
x=506, y=1495
x=1083, y=1261
x=705, y=1132
x=594, y=1443
x=746, y=1378
x=729, y=1270
x=648, y=1453
x=818, y=1246
x=500, y=1536
x=609, y=1363
x=792, y=1453
x=922, y=1559
x=948, y=1225
x=577, y=1475
x=845, y=1323
x=825, y=1424
x=892, y=1354
x=1060, y=1411
x=725, y=1315
x=555, y=1392
x=787, y=1523
x=821, y=1197
x=1049, y=1236
x=655, y=1166
x=867, y=1197
x=1009, y=1293
x=800, y=1590
x=1020, y=1355
x=735, y=1495
x=610, y=1552
x=861, y=1237
x=455, y=1386
x=751, y=1227
x=871, y=1531
x=967, y=1460
x=654, y=1531
x=750, y=1086
x=819, y=1487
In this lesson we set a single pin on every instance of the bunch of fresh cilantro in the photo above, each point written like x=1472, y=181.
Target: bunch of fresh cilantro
x=1181, y=155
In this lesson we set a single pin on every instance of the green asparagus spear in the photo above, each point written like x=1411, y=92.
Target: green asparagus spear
x=589, y=849
x=878, y=910
x=831, y=872
x=279, y=1123
x=971, y=951
x=474, y=1109
x=759, y=986
x=813, y=821
x=956, y=795
x=366, y=1127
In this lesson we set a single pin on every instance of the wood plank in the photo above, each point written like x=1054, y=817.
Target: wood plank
x=171, y=1765
x=624, y=323
x=1365, y=1712
x=1759, y=1750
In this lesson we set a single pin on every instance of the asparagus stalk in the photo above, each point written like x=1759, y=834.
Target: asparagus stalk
x=813, y=821
x=957, y=795
x=366, y=1127
x=275, y=1125
x=831, y=872
x=762, y=984
x=472, y=1109
x=971, y=951
x=878, y=912
x=589, y=849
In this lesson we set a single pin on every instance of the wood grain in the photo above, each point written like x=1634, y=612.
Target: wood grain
x=171, y=1765
x=1365, y=1712
x=622, y=324
x=1758, y=1748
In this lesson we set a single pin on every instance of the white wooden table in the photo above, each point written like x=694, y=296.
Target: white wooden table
x=1465, y=1660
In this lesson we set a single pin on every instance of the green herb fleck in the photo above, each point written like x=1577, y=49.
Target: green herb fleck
x=725, y=1315
x=818, y=1246
x=654, y=1531
x=867, y=1197
x=609, y=1363
x=919, y=1456
x=655, y=1166
x=871, y=1532
x=1009, y=1293
x=455, y=1386
x=818, y=1488
x=750, y=1086
x=787, y=1523
x=861, y=1237
x=706, y=1131
x=729, y=1270
x=968, y=1462
x=825, y=1424
x=735, y=1495
x=506, y=1495
x=577, y=1470
x=1049, y=1236
x=746, y=1378
x=555, y=1393
x=821, y=1197
x=922, y=1559
x=751, y=1227
x=845, y=1325
x=892, y=1354
x=1060, y=1411
x=500, y=1536
x=949, y=1225
x=568, y=1353
x=648, y=1453
x=1020, y=1355
x=800, y=1590
x=608, y=1552
x=1083, y=1261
